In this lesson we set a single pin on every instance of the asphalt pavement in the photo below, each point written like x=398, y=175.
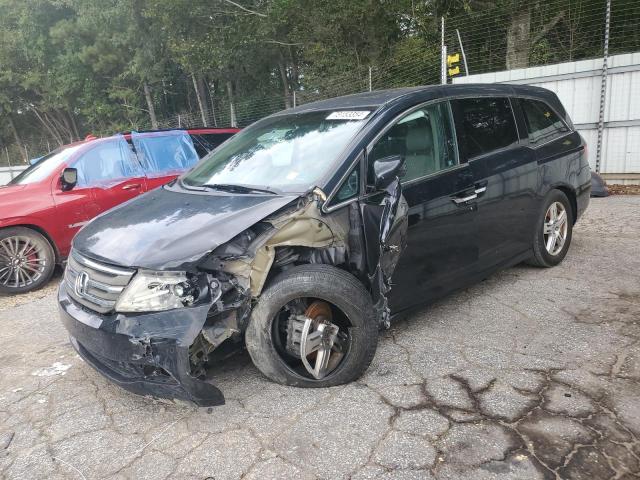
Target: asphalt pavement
x=533, y=373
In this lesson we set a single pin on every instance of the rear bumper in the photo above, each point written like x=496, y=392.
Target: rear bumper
x=146, y=354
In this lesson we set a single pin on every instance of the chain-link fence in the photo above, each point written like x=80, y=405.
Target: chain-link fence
x=492, y=39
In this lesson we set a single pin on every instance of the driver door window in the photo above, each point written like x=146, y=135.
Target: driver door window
x=106, y=163
x=424, y=138
x=111, y=172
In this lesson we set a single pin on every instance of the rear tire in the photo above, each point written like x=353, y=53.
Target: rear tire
x=27, y=260
x=554, y=228
x=324, y=284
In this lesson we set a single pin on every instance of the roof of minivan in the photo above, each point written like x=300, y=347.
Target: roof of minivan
x=379, y=98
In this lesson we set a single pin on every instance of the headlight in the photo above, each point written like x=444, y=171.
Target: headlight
x=155, y=291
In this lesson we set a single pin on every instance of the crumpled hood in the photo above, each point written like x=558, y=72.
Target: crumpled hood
x=166, y=229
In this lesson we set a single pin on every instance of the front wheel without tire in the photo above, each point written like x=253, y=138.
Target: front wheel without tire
x=26, y=260
x=313, y=326
x=553, y=232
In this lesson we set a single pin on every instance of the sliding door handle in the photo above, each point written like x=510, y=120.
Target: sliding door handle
x=459, y=200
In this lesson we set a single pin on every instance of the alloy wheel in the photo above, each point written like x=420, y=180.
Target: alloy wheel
x=22, y=261
x=555, y=228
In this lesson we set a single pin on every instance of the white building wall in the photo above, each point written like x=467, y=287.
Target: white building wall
x=577, y=84
x=7, y=173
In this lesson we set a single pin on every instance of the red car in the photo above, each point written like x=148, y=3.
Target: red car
x=44, y=207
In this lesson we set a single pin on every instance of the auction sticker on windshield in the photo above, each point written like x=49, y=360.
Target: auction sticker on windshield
x=348, y=115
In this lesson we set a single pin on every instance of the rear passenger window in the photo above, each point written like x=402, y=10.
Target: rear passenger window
x=483, y=125
x=542, y=123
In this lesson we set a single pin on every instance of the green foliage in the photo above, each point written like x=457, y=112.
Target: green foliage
x=70, y=67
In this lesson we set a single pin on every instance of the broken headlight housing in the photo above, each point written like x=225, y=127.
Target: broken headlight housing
x=156, y=291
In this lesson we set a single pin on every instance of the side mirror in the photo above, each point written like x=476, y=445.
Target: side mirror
x=385, y=170
x=69, y=178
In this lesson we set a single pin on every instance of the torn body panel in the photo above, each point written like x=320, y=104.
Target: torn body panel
x=303, y=225
x=385, y=231
x=304, y=234
x=147, y=354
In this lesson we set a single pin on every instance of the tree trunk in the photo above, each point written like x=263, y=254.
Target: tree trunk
x=232, y=107
x=18, y=140
x=57, y=124
x=152, y=111
x=518, y=34
x=64, y=119
x=76, y=132
x=188, y=91
x=202, y=105
x=49, y=127
x=213, y=104
x=285, y=83
x=295, y=74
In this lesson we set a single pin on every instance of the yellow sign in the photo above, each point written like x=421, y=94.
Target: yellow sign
x=451, y=59
x=454, y=71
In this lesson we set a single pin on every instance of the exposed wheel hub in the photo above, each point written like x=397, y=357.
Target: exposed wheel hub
x=311, y=337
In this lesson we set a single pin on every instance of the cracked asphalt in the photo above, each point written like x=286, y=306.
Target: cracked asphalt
x=530, y=374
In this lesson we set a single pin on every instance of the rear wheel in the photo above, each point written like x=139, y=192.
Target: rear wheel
x=26, y=260
x=313, y=327
x=553, y=231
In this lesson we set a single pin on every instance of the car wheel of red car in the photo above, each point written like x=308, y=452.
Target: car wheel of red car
x=26, y=260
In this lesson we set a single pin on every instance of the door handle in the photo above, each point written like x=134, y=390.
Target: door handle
x=459, y=200
x=131, y=186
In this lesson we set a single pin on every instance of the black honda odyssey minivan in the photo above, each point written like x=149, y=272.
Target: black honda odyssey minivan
x=305, y=233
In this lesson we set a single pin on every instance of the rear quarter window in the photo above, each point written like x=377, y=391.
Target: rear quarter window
x=543, y=124
x=483, y=125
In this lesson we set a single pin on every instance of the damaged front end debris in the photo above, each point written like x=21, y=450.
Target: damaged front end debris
x=171, y=353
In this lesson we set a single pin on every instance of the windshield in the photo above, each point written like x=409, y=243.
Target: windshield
x=289, y=153
x=45, y=166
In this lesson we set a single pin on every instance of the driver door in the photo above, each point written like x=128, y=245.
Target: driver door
x=110, y=171
x=441, y=248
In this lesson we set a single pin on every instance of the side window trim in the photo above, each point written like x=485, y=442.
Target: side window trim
x=358, y=163
x=434, y=174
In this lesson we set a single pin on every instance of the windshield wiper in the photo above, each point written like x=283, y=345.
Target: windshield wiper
x=234, y=188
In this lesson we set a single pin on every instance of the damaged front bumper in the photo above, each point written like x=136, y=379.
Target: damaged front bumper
x=147, y=354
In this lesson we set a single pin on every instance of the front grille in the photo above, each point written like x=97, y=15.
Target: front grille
x=93, y=284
